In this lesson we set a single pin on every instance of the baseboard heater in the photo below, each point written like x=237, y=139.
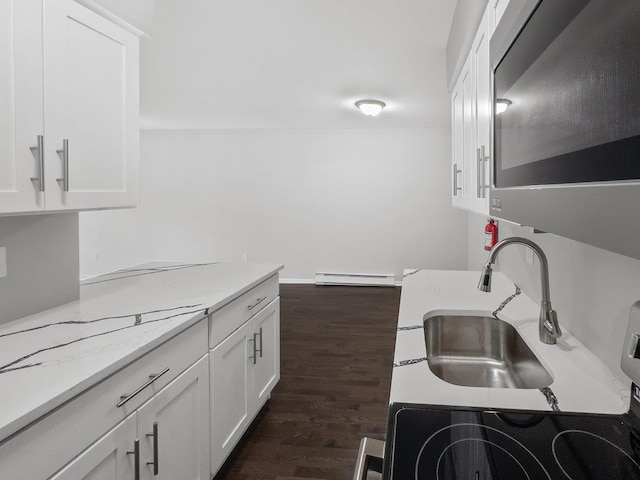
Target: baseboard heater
x=356, y=279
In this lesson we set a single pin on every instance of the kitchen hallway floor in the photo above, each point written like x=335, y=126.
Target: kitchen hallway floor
x=336, y=362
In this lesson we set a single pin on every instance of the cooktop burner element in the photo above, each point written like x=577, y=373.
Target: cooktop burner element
x=473, y=442
x=445, y=443
x=589, y=462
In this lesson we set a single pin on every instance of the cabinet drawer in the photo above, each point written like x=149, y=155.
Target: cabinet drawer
x=59, y=436
x=224, y=321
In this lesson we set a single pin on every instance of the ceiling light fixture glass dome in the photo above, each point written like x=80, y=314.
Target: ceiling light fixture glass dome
x=501, y=105
x=372, y=108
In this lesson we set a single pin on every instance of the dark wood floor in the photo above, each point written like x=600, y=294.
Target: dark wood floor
x=337, y=355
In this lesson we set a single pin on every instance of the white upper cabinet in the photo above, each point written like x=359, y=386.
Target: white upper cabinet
x=496, y=10
x=482, y=118
x=21, y=105
x=91, y=100
x=471, y=102
x=81, y=95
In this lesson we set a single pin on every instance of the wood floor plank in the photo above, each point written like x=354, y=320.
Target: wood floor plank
x=336, y=360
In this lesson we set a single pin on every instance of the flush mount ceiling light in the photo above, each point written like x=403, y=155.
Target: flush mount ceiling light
x=501, y=105
x=372, y=108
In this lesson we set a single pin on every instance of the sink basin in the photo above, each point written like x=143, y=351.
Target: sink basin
x=481, y=351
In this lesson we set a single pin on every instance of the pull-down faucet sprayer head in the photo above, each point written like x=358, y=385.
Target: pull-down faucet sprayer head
x=484, y=285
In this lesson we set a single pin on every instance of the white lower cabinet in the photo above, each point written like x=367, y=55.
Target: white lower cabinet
x=266, y=368
x=175, y=413
x=107, y=459
x=244, y=369
x=171, y=430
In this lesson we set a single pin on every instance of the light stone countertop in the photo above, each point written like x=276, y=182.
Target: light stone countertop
x=50, y=357
x=582, y=383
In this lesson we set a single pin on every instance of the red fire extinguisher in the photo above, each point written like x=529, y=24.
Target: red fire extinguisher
x=490, y=234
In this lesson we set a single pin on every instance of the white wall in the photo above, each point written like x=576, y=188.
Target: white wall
x=591, y=289
x=348, y=200
x=292, y=63
x=42, y=263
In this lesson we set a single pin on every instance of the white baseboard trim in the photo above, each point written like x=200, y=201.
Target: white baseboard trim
x=310, y=281
x=294, y=281
x=356, y=279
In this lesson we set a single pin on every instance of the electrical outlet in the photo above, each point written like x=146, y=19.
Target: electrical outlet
x=3, y=262
x=245, y=257
x=529, y=256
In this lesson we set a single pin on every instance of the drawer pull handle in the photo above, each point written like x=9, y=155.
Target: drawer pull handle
x=260, y=300
x=156, y=467
x=39, y=149
x=136, y=459
x=128, y=396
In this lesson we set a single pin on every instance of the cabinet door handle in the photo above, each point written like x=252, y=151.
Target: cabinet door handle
x=128, y=396
x=253, y=344
x=483, y=160
x=156, y=458
x=258, y=302
x=456, y=188
x=259, y=334
x=136, y=459
x=65, y=165
x=478, y=174
x=39, y=149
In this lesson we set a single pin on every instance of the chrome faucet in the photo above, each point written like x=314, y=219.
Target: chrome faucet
x=548, y=326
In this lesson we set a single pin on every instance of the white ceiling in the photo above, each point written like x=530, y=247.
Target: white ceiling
x=295, y=63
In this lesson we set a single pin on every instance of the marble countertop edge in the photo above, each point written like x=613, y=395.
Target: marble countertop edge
x=119, y=296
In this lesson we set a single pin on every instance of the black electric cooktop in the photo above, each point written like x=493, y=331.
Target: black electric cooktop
x=446, y=443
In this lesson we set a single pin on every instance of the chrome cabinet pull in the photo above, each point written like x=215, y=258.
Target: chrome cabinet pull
x=39, y=149
x=254, y=344
x=456, y=188
x=128, y=396
x=65, y=165
x=484, y=159
x=479, y=180
x=260, y=300
x=254, y=356
x=155, y=463
x=136, y=459
x=260, y=334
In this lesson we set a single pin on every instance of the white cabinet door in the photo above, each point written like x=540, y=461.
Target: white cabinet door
x=106, y=459
x=244, y=369
x=173, y=427
x=91, y=101
x=21, y=105
x=230, y=395
x=482, y=100
x=468, y=127
x=457, y=135
x=265, y=373
x=496, y=10
x=472, y=125
x=462, y=128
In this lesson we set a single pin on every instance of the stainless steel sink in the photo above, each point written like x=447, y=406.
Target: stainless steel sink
x=481, y=351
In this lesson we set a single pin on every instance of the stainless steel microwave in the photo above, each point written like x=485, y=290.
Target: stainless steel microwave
x=566, y=123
